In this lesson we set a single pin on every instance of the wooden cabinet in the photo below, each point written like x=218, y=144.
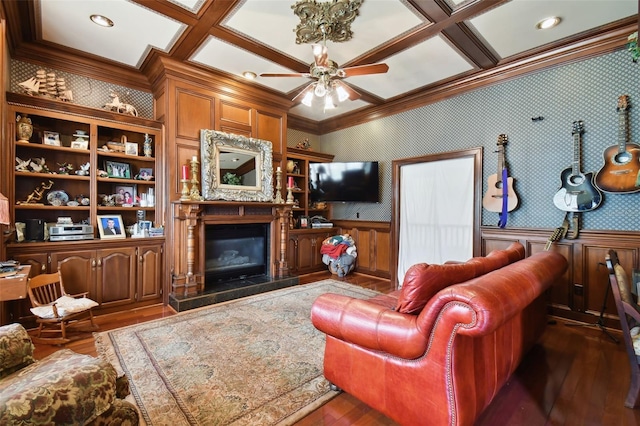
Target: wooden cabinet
x=580, y=293
x=297, y=169
x=304, y=249
x=78, y=160
x=119, y=275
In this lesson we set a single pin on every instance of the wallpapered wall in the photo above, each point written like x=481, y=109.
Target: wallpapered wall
x=86, y=91
x=536, y=153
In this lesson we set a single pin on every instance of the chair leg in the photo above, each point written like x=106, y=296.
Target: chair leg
x=633, y=397
x=63, y=330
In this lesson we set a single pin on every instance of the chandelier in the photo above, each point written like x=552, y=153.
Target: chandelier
x=320, y=21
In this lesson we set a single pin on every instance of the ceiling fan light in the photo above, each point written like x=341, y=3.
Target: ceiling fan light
x=320, y=90
x=342, y=94
x=328, y=103
x=307, y=99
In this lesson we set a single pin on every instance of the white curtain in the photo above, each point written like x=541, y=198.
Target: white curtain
x=436, y=212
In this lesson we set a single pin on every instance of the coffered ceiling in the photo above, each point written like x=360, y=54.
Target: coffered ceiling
x=430, y=46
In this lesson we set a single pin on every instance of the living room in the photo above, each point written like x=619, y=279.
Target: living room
x=534, y=99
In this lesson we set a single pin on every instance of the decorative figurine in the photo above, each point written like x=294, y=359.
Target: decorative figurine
x=22, y=166
x=304, y=144
x=38, y=165
x=84, y=169
x=37, y=193
x=121, y=107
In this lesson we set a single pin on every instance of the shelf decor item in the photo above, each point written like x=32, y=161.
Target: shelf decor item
x=24, y=128
x=131, y=148
x=111, y=226
x=51, y=138
x=147, y=149
x=117, y=170
x=195, y=183
x=278, y=199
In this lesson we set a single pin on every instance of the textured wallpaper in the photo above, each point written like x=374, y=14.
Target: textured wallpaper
x=537, y=151
x=86, y=91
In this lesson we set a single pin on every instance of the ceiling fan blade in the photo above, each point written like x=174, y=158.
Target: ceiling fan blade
x=366, y=69
x=353, y=95
x=302, y=74
x=320, y=55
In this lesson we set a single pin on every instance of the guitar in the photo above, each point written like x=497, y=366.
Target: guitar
x=622, y=161
x=577, y=193
x=492, y=199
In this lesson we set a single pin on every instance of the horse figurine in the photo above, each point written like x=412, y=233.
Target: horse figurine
x=121, y=107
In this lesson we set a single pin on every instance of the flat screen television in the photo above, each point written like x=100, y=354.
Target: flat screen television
x=355, y=182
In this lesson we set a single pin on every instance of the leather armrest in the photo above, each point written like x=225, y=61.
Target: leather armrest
x=368, y=325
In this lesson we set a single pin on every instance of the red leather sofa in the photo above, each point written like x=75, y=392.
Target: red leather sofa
x=437, y=351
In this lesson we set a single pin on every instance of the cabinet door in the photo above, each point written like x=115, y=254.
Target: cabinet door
x=306, y=252
x=77, y=269
x=116, y=273
x=292, y=253
x=149, y=272
x=38, y=262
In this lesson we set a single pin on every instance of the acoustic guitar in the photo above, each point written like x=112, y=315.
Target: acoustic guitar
x=577, y=193
x=622, y=161
x=493, y=198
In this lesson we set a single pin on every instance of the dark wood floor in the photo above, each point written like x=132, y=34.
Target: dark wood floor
x=575, y=376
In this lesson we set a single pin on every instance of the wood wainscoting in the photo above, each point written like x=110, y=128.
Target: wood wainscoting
x=373, y=242
x=580, y=294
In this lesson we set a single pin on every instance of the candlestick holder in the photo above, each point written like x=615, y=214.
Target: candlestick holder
x=185, y=190
x=290, y=199
x=278, y=198
x=195, y=183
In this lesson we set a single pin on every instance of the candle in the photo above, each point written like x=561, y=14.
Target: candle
x=278, y=169
x=290, y=182
x=185, y=172
x=195, y=159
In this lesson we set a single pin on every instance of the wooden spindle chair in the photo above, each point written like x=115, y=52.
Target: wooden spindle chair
x=55, y=310
x=629, y=314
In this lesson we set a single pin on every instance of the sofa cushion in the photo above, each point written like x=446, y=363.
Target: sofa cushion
x=16, y=349
x=65, y=388
x=423, y=280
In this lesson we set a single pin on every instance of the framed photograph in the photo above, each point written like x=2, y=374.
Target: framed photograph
x=115, y=169
x=125, y=195
x=303, y=222
x=80, y=144
x=51, y=138
x=111, y=226
x=144, y=225
x=131, y=148
x=146, y=173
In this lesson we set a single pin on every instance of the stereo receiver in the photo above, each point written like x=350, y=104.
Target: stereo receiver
x=70, y=232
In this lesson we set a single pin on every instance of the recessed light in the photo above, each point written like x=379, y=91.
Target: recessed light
x=101, y=20
x=547, y=23
x=249, y=75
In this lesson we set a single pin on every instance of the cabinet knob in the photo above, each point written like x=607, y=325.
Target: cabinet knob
x=99, y=262
x=43, y=267
x=140, y=258
x=93, y=263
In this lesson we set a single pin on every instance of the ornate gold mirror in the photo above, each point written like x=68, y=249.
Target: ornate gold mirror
x=235, y=168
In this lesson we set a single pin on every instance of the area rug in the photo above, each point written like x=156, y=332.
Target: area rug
x=251, y=361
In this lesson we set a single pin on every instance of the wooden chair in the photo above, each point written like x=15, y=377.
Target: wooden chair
x=55, y=310
x=629, y=314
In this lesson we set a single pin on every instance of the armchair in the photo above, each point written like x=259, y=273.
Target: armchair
x=65, y=388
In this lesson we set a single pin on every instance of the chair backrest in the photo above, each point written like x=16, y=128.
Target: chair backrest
x=628, y=310
x=45, y=289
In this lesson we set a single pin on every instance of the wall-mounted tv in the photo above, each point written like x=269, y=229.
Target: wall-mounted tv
x=355, y=182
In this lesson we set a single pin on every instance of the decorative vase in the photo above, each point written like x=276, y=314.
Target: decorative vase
x=147, y=146
x=24, y=128
x=291, y=165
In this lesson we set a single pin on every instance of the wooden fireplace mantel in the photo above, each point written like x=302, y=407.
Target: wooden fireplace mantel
x=190, y=219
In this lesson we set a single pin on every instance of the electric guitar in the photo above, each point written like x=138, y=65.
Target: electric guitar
x=577, y=193
x=622, y=161
x=492, y=199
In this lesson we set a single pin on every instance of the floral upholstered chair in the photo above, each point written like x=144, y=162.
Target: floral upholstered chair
x=65, y=388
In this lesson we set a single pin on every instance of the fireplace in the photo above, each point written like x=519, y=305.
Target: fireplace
x=237, y=251
x=227, y=249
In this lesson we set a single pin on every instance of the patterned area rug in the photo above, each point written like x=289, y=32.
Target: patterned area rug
x=251, y=361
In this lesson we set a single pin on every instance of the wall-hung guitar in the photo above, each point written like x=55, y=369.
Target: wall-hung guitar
x=577, y=193
x=622, y=161
x=500, y=185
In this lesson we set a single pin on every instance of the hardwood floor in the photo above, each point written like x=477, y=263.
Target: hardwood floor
x=575, y=376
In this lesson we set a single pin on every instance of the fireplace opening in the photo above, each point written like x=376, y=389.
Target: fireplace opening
x=237, y=251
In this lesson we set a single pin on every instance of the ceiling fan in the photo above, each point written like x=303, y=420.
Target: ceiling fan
x=329, y=78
